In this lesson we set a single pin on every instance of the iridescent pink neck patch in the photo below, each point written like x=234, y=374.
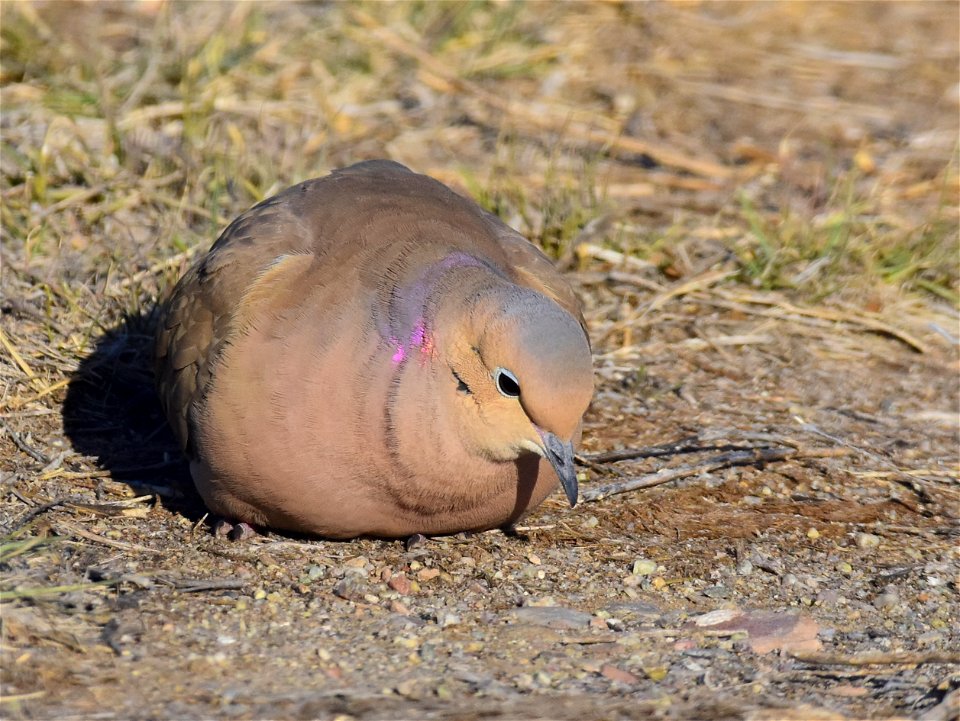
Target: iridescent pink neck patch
x=410, y=302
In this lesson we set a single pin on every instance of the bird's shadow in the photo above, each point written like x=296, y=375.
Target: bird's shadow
x=112, y=413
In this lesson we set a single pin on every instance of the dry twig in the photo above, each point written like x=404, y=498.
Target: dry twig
x=879, y=658
x=724, y=460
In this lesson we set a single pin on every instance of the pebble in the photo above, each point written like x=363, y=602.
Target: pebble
x=350, y=589
x=813, y=533
x=745, y=568
x=867, y=540
x=827, y=597
x=400, y=583
x=617, y=674
x=428, y=574
x=656, y=673
x=789, y=579
x=551, y=616
x=400, y=607
x=930, y=638
x=644, y=567
x=408, y=689
x=543, y=602
x=407, y=642
x=766, y=630
x=716, y=592
x=615, y=624
x=888, y=599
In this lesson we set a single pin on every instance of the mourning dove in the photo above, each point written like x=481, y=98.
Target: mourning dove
x=370, y=353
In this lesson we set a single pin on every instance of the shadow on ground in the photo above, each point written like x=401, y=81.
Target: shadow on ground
x=112, y=413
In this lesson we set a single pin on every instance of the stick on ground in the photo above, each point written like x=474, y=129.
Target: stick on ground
x=724, y=460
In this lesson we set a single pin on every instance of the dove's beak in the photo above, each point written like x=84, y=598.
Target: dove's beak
x=560, y=455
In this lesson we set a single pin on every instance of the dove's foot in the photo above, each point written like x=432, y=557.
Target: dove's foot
x=233, y=531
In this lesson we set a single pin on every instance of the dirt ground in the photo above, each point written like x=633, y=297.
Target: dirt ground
x=758, y=203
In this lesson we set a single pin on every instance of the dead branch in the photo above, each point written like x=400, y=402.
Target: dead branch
x=879, y=658
x=724, y=460
x=198, y=585
x=23, y=445
x=40, y=510
x=706, y=441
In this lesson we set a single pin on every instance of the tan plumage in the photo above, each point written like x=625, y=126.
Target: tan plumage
x=334, y=364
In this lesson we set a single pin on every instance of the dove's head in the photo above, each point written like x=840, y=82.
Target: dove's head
x=521, y=378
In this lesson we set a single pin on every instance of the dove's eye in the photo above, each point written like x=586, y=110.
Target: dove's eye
x=507, y=383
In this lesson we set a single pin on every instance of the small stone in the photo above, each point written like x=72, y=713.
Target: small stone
x=358, y=562
x=400, y=583
x=523, y=680
x=323, y=654
x=543, y=678
x=350, y=588
x=789, y=579
x=887, y=600
x=745, y=568
x=617, y=674
x=427, y=574
x=813, y=533
x=658, y=583
x=828, y=597
x=399, y=607
x=259, y=594
x=408, y=689
x=767, y=630
x=845, y=568
x=656, y=673
x=751, y=500
x=615, y=624
x=545, y=602
x=716, y=592
x=450, y=619
x=551, y=617
x=644, y=567
x=534, y=559
x=407, y=642
x=930, y=638
x=867, y=540
x=315, y=572
x=590, y=522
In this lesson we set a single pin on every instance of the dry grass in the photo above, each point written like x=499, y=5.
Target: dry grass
x=749, y=196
